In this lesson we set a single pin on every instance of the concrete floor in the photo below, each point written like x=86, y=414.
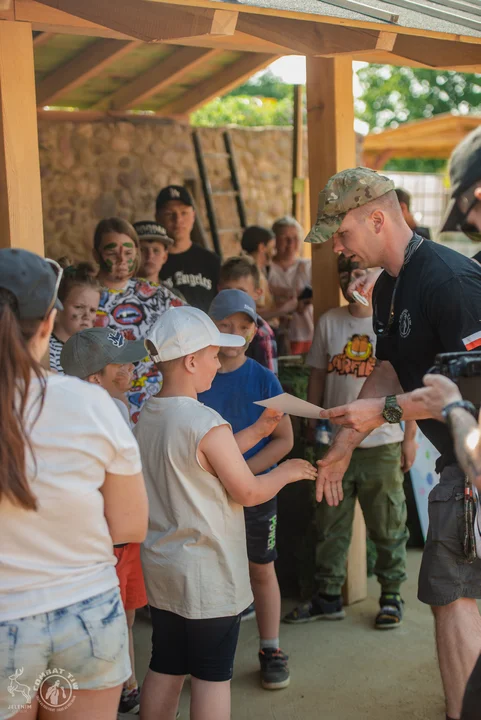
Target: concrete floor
x=341, y=670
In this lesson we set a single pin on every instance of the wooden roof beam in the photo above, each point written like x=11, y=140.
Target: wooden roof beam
x=87, y=64
x=162, y=75
x=309, y=38
x=447, y=54
x=218, y=84
x=42, y=38
x=151, y=22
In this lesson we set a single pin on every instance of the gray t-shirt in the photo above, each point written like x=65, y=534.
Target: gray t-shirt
x=194, y=557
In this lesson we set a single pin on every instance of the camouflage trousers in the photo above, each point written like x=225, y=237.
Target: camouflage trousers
x=374, y=477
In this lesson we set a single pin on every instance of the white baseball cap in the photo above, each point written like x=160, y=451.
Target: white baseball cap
x=184, y=330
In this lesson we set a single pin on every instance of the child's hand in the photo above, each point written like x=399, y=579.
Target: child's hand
x=268, y=422
x=298, y=469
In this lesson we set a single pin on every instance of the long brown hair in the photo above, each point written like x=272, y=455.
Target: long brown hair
x=121, y=227
x=17, y=365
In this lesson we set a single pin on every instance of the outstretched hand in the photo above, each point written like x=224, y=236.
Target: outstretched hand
x=298, y=469
x=438, y=391
x=365, y=285
x=330, y=472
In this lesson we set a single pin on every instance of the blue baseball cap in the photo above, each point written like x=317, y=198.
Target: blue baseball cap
x=33, y=280
x=229, y=302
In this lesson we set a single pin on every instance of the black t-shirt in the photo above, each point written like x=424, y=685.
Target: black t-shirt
x=195, y=273
x=477, y=257
x=437, y=308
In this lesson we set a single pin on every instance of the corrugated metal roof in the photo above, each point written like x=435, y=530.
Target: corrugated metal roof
x=412, y=13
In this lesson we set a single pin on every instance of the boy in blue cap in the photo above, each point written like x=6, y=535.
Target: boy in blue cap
x=239, y=382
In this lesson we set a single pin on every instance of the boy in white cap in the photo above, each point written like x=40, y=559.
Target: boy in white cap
x=194, y=557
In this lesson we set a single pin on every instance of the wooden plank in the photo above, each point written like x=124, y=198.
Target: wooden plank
x=332, y=147
x=7, y=10
x=436, y=53
x=150, y=22
x=297, y=154
x=87, y=64
x=20, y=195
x=42, y=38
x=218, y=84
x=159, y=77
x=309, y=38
x=49, y=19
x=355, y=587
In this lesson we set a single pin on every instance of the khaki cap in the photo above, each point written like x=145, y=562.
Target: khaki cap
x=346, y=191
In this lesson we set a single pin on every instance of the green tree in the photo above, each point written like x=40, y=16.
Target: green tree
x=243, y=110
x=266, y=85
x=394, y=95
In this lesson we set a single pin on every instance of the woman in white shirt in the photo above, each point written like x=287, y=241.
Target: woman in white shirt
x=70, y=486
x=289, y=276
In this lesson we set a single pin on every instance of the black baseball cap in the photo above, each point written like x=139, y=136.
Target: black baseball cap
x=152, y=231
x=89, y=351
x=465, y=175
x=173, y=192
x=33, y=280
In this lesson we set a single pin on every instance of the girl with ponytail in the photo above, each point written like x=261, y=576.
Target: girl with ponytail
x=71, y=486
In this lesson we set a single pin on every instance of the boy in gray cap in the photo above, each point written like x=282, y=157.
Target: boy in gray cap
x=104, y=357
x=427, y=301
x=238, y=384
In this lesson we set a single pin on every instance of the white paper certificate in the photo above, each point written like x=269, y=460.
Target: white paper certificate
x=291, y=405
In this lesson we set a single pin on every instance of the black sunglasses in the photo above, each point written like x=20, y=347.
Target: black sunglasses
x=58, y=273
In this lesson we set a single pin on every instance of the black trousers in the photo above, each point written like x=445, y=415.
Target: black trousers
x=472, y=695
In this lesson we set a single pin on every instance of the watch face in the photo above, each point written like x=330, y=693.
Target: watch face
x=392, y=414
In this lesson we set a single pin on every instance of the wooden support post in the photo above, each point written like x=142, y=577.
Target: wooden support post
x=20, y=195
x=297, y=155
x=332, y=147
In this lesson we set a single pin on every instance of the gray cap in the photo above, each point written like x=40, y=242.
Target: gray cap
x=33, y=280
x=89, y=351
x=152, y=232
x=229, y=302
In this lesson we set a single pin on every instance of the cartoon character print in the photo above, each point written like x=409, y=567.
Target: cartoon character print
x=133, y=312
x=357, y=358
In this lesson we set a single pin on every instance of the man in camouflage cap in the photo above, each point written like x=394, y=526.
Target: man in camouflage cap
x=346, y=191
x=427, y=301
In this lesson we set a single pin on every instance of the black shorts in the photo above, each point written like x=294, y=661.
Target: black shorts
x=445, y=574
x=261, y=527
x=204, y=649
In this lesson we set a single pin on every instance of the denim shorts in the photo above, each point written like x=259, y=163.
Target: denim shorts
x=83, y=646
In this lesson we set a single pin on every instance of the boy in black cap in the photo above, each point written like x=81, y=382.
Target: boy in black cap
x=464, y=209
x=154, y=248
x=189, y=268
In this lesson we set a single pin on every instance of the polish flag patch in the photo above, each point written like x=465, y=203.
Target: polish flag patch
x=472, y=341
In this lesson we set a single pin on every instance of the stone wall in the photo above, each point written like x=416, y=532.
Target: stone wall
x=92, y=170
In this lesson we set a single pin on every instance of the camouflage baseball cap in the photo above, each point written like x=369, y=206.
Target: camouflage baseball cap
x=345, y=191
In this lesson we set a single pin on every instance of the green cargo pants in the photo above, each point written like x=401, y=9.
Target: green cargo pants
x=374, y=476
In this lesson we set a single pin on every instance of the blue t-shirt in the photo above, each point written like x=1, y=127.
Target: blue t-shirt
x=233, y=394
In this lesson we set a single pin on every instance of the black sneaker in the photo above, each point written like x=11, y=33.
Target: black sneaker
x=274, y=669
x=317, y=609
x=390, y=615
x=248, y=613
x=129, y=702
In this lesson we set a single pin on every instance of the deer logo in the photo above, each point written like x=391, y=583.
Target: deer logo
x=17, y=687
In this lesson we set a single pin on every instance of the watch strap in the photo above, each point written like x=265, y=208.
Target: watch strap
x=464, y=404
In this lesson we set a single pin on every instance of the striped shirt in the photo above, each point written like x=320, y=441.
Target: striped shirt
x=55, y=348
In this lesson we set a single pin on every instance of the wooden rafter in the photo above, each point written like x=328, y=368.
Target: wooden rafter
x=218, y=84
x=167, y=72
x=437, y=53
x=150, y=22
x=82, y=67
x=309, y=38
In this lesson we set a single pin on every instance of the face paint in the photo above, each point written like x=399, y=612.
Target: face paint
x=127, y=245
x=110, y=246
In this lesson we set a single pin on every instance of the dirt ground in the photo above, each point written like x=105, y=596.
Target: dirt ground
x=342, y=670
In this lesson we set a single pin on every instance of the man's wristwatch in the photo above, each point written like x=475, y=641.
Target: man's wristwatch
x=392, y=412
x=464, y=404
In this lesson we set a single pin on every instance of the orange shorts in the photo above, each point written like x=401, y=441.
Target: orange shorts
x=299, y=347
x=131, y=579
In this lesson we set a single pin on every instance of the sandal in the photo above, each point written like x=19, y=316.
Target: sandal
x=391, y=613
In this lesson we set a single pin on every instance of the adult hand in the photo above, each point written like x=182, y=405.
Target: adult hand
x=365, y=284
x=268, y=422
x=360, y=415
x=330, y=471
x=438, y=392
x=409, y=448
